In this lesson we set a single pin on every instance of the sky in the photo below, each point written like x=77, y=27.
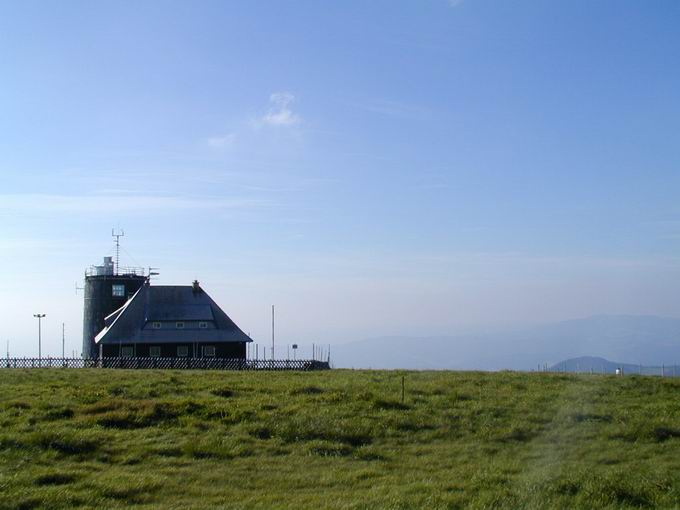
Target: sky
x=412, y=167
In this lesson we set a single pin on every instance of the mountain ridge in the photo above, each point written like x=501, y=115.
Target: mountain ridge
x=638, y=339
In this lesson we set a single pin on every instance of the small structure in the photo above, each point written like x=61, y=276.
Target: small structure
x=179, y=321
x=107, y=288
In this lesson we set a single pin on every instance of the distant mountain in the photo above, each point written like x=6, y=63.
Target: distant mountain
x=602, y=366
x=645, y=340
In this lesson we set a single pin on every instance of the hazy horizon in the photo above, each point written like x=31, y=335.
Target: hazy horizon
x=418, y=168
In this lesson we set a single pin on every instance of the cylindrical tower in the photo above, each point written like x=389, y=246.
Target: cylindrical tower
x=107, y=288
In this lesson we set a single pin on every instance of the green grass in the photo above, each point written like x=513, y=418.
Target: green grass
x=338, y=439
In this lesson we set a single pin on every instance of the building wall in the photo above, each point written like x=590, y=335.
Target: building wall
x=100, y=302
x=233, y=350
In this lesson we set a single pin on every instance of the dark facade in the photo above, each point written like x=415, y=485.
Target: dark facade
x=105, y=292
x=171, y=321
x=193, y=350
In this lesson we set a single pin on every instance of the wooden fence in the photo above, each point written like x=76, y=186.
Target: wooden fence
x=167, y=363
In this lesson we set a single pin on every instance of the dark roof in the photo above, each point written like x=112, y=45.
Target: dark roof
x=169, y=303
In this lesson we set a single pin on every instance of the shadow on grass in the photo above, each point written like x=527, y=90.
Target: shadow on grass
x=390, y=405
x=307, y=390
x=55, y=479
x=64, y=443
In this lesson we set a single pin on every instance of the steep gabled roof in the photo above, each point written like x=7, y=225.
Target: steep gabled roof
x=169, y=304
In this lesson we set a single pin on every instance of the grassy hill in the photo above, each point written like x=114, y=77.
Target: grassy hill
x=338, y=439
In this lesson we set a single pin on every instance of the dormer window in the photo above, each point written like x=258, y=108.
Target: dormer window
x=203, y=325
x=156, y=325
x=179, y=325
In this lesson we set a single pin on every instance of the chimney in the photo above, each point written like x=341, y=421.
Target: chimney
x=196, y=288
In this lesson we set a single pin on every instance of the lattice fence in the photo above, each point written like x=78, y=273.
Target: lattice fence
x=166, y=363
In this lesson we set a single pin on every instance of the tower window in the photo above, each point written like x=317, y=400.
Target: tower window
x=179, y=325
x=118, y=290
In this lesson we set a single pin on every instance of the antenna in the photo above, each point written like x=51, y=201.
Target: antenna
x=153, y=271
x=118, y=235
x=78, y=288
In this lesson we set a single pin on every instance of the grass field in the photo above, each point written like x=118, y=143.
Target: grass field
x=338, y=439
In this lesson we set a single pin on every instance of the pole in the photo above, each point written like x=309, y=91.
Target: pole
x=63, y=340
x=272, y=331
x=39, y=316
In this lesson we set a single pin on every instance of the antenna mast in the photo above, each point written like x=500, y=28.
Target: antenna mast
x=118, y=235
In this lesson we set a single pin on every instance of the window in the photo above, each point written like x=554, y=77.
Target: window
x=118, y=290
x=179, y=325
x=127, y=352
x=203, y=325
x=156, y=325
x=182, y=351
x=155, y=351
x=209, y=351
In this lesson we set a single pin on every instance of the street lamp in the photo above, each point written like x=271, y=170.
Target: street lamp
x=39, y=316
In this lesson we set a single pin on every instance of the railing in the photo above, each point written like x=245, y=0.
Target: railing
x=119, y=271
x=167, y=363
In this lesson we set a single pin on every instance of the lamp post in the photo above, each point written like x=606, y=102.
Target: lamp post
x=39, y=316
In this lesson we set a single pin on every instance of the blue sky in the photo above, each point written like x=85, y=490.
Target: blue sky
x=373, y=168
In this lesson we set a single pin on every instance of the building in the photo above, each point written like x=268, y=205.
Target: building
x=171, y=321
x=107, y=288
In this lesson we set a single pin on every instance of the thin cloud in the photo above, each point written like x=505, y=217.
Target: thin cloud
x=455, y=3
x=112, y=203
x=220, y=142
x=280, y=113
x=397, y=109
